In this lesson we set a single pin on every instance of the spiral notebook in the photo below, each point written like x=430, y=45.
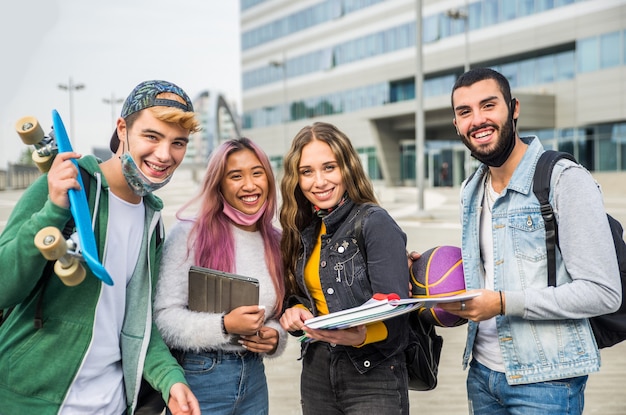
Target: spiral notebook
x=220, y=292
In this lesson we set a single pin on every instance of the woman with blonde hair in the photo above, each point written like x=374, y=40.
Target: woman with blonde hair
x=222, y=353
x=326, y=192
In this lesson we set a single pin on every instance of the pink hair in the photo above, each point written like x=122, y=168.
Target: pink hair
x=211, y=238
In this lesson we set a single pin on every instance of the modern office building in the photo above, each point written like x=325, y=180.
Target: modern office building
x=219, y=122
x=354, y=63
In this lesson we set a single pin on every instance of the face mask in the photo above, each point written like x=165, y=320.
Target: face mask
x=243, y=219
x=504, y=149
x=137, y=181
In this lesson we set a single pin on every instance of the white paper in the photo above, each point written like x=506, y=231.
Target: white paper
x=379, y=310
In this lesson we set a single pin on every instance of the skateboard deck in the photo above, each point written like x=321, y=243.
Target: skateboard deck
x=80, y=208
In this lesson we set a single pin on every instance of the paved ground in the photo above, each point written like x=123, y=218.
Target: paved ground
x=436, y=225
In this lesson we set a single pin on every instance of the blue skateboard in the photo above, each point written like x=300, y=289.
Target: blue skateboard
x=50, y=240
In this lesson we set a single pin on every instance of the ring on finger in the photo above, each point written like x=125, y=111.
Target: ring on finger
x=462, y=306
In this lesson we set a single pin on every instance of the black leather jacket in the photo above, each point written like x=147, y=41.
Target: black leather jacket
x=348, y=282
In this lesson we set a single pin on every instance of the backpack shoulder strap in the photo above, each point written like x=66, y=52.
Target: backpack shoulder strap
x=541, y=189
x=363, y=211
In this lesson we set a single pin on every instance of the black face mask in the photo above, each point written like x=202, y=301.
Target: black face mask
x=504, y=149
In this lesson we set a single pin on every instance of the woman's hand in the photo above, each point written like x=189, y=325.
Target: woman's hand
x=354, y=336
x=245, y=320
x=263, y=341
x=293, y=318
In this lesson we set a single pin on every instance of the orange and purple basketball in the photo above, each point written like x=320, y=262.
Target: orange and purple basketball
x=439, y=273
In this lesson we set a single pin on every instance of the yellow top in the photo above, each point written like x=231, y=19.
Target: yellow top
x=375, y=331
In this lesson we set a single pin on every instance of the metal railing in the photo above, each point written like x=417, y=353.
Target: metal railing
x=18, y=176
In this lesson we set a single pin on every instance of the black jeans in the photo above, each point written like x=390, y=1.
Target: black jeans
x=331, y=385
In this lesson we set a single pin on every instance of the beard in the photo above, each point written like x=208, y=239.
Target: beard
x=493, y=155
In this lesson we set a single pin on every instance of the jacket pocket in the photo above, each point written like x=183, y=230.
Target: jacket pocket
x=528, y=231
x=45, y=364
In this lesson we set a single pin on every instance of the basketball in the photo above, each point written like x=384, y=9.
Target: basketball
x=438, y=273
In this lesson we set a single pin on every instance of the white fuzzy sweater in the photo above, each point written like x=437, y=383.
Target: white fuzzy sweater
x=184, y=329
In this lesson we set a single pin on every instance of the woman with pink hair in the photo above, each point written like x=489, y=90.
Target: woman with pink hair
x=232, y=231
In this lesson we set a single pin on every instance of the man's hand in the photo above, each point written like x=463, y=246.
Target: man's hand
x=62, y=176
x=411, y=258
x=182, y=400
x=481, y=308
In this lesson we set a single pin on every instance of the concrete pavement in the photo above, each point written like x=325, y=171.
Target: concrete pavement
x=438, y=224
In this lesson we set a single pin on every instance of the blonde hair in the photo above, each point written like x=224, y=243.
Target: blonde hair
x=296, y=212
x=185, y=119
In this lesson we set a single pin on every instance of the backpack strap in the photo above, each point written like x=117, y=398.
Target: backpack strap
x=541, y=189
x=363, y=211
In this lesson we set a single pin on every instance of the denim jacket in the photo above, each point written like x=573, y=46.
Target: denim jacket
x=348, y=282
x=544, y=334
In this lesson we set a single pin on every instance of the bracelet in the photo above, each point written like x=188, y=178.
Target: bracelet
x=224, y=331
x=501, y=304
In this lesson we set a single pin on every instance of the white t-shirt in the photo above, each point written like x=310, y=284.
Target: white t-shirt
x=99, y=385
x=486, y=346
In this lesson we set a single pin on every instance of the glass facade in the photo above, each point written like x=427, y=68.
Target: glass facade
x=370, y=162
x=301, y=20
x=247, y=4
x=435, y=27
x=527, y=72
x=600, y=147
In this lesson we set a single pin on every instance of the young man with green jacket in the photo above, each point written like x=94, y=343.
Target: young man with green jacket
x=97, y=340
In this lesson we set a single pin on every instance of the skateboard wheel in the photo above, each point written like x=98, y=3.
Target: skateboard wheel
x=43, y=163
x=29, y=130
x=70, y=275
x=51, y=243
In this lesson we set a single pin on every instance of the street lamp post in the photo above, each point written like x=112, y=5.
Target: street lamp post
x=112, y=102
x=71, y=87
x=282, y=64
x=463, y=14
x=420, y=131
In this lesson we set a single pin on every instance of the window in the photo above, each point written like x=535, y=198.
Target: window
x=565, y=66
x=587, y=55
x=508, y=9
x=430, y=31
x=610, y=48
x=545, y=69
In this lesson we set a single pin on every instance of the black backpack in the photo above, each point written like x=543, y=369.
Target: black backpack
x=608, y=329
x=423, y=352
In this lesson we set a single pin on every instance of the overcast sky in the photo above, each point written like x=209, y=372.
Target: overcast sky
x=109, y=47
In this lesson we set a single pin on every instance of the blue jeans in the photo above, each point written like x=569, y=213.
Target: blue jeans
x=490, y=394
x=331, y=385
x=227, y=383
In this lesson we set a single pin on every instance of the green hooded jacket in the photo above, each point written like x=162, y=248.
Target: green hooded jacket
x=37, y=366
